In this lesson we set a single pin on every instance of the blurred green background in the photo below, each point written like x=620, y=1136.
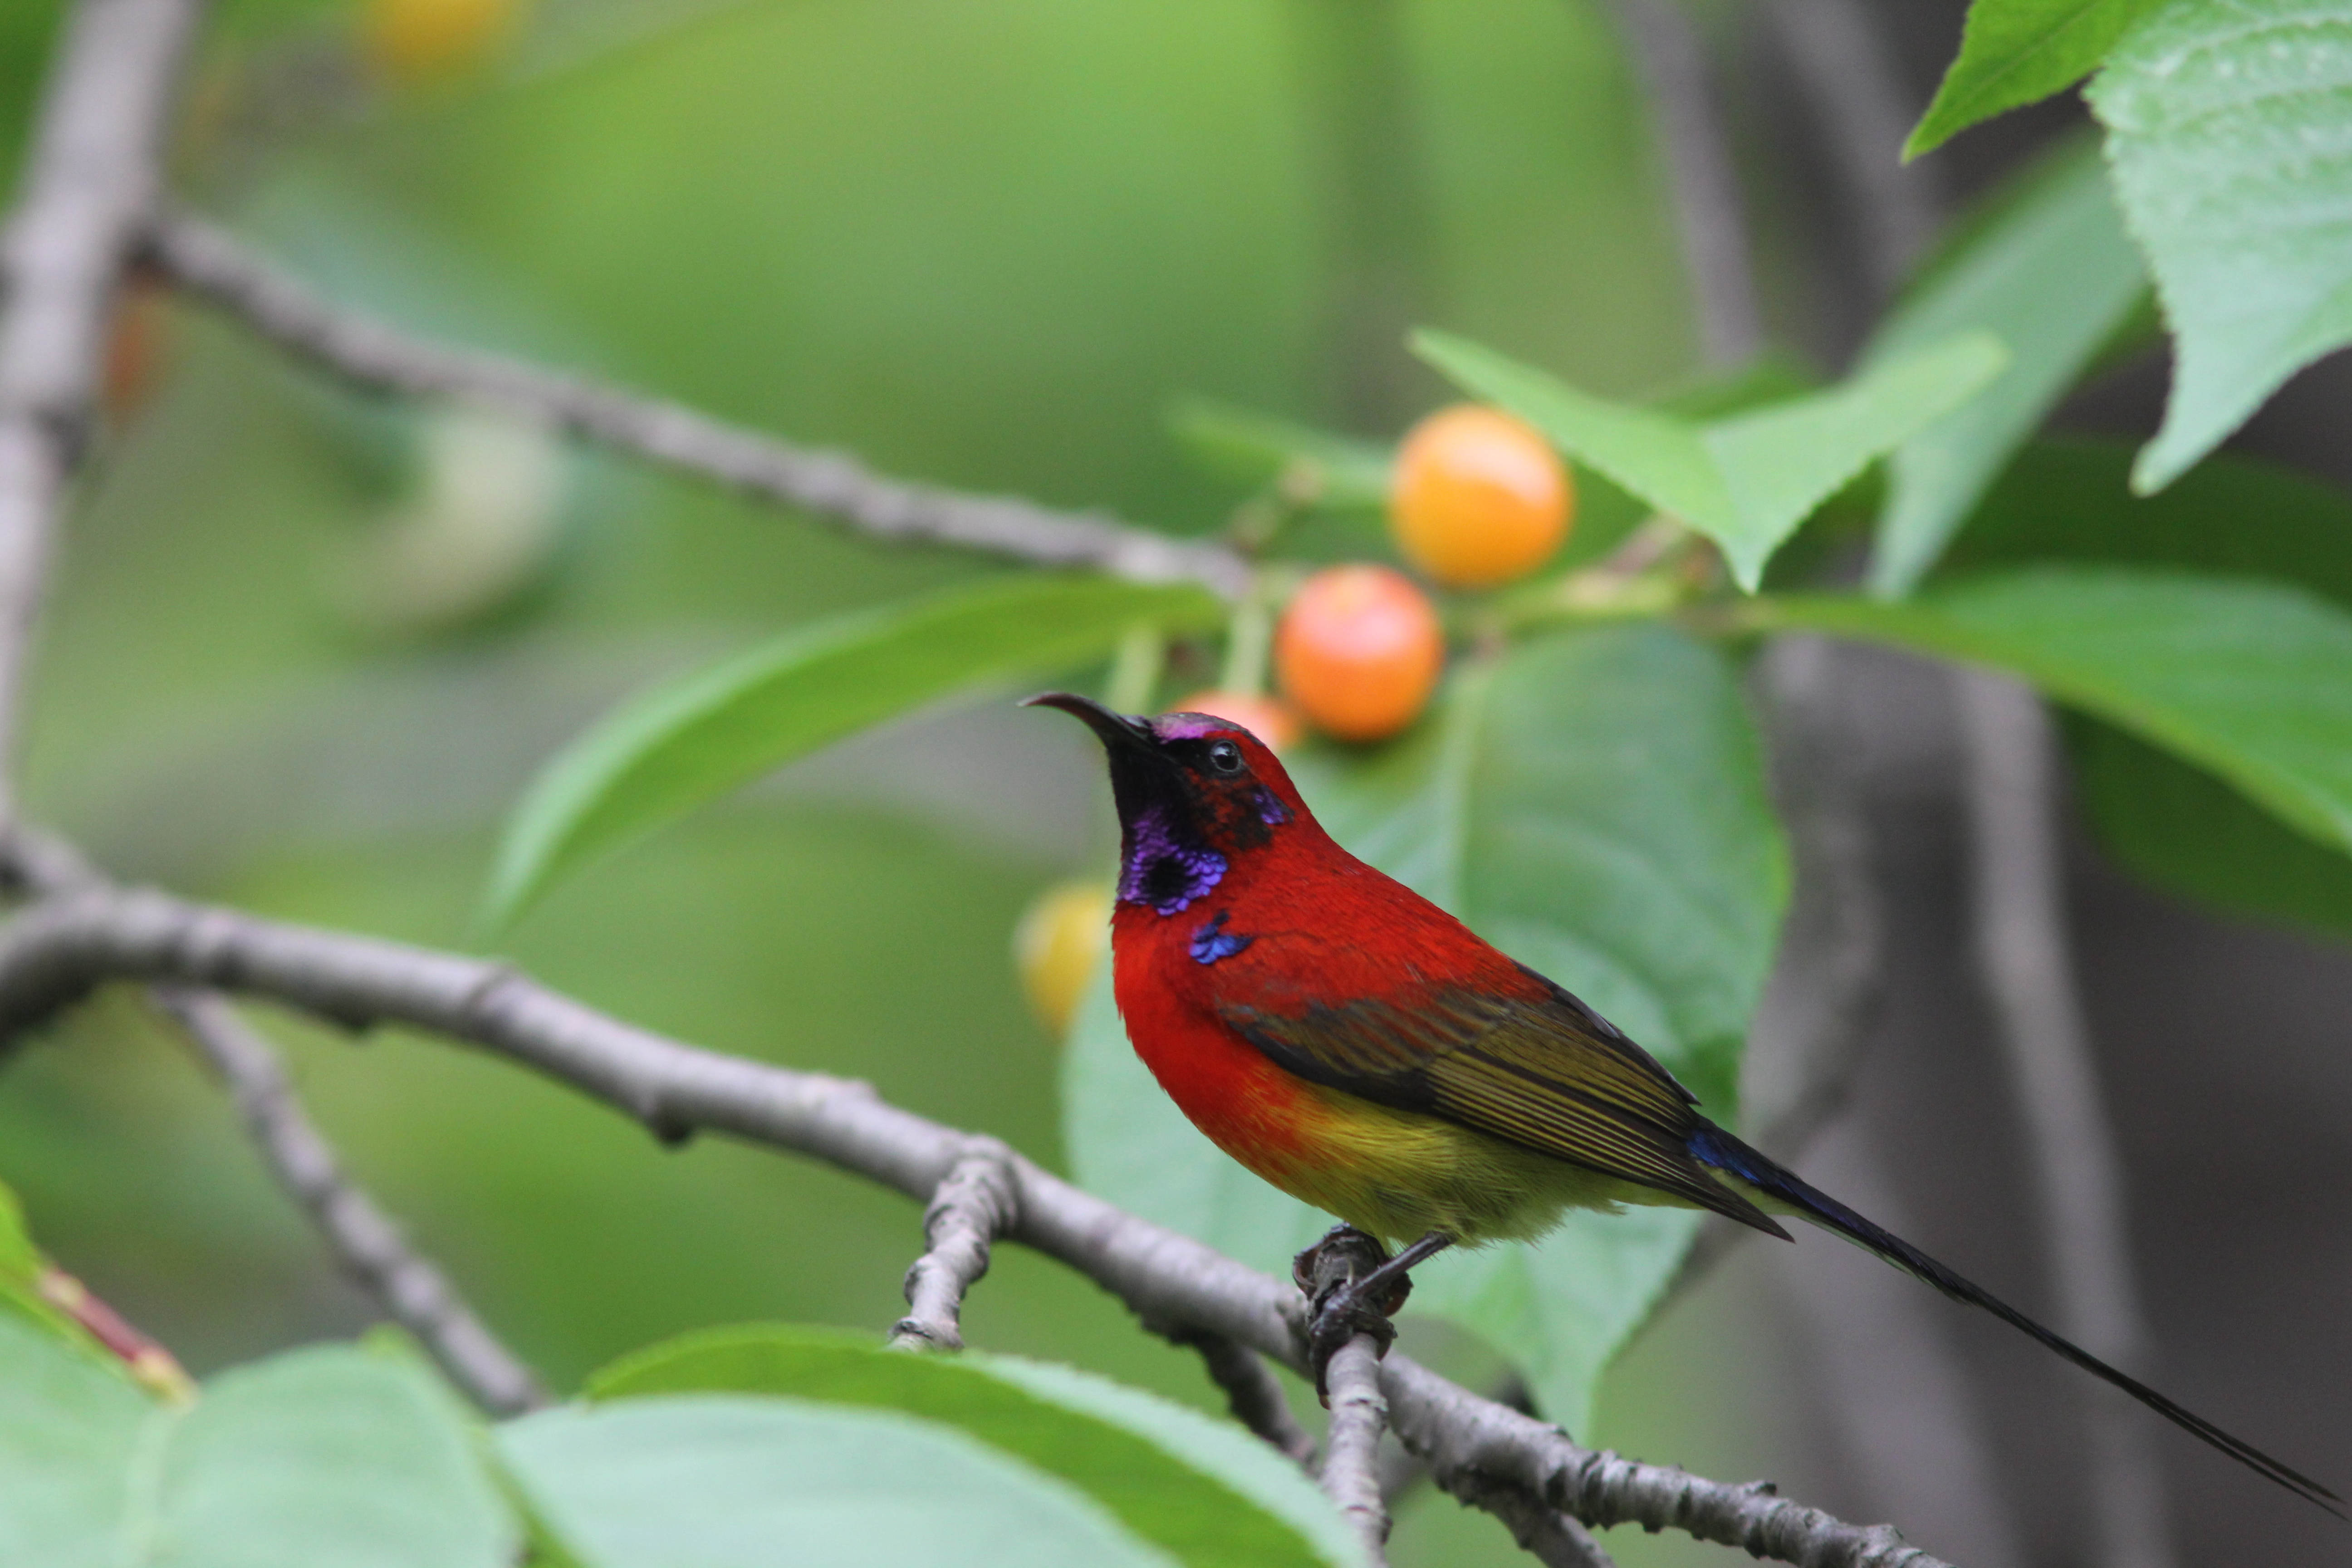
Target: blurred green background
x=981, y=244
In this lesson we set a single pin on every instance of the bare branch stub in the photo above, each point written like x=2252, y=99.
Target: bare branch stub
x=1253, y=1394
x=364, y=1240
x=978, y=1200
x=213, y=266
x=1548, y=1535
x=63, y=946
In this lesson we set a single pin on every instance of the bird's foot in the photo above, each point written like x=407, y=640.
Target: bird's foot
x=1351, y=1288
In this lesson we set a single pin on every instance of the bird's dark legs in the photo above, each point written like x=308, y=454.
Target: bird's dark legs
x=1353, y=1285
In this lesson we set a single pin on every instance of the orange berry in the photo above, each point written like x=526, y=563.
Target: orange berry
x=1060, y=940
x=1479, y=498
x=1268, y=717
x=418, y=40
x=1358, y=651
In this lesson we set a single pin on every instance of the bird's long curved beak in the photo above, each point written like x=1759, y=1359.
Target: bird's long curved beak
x=1118, y=731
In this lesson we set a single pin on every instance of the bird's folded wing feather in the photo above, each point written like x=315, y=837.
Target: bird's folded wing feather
x=1542, y=1071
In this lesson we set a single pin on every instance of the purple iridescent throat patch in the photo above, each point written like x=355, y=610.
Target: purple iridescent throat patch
x=1167, y=875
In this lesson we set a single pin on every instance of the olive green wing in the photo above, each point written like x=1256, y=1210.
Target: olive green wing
x=1543, y=1072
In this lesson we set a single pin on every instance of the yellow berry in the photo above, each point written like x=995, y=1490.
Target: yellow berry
x=417, y=40
x=1061, y=938
x=1479, y=498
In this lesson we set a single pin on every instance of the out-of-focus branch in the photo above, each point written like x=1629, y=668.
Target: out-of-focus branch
x=1352, y=1451
x=211, y=264
x=1816, y=1015
x=976, y=1202
x=364, y=1240
x=1710, y=218
x=2017, y=873
x=89, y=183
x=1842, y=64
x=64, y=945
x=1253, y=1394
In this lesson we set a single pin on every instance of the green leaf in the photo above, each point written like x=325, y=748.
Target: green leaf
x=1261, y=450
x=2070, y=500
x=2053, y=278
x=1745, y=480
x=717, y=1480
x=2232, y=157
x=68, y=1430
x=2176, y=826
x=692, y=740
x=1594, y=805
x=2016, y=52
x=1202, y=1489
x=2184, y=831
x=331, y=1458
x=2251, y=681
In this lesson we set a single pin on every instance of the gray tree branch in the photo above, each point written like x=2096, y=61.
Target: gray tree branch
x=89, y=183
x=61, y=947
x=364, y=1240
x=2018, y=899
x=210, y=263
x=977, y=1202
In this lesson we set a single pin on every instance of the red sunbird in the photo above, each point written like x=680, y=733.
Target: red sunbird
x=1358, y=1048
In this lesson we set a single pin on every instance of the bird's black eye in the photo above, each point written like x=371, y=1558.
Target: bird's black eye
x=1224, y=757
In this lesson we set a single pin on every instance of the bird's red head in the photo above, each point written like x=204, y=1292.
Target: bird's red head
x=1195, y=795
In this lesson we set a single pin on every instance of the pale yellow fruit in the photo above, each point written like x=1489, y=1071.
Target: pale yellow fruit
x=1060, y=940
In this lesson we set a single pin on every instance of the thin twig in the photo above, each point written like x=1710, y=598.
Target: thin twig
x=364, y=1240
x=88, y=182
x=978, y=1200
x=2018, y=879
x=1711, y=220
x=1253, y=1394
x=211, y=264
x=63, y=946
x=1550, y=1536
x=1352, y=1451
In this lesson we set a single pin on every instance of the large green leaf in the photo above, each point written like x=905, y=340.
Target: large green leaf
x=1747, y=479
x=68, y=1430
x=1593, y=805
x=2016, y=52
x=2181, y=829
x=2069, y=501
x=2233, y=153
x=2178, y=828
x=334, y=1457
x=2250, y=680
x=1202, y=1489
x=719, y=1481
x=2052, y=276
x=692, y=740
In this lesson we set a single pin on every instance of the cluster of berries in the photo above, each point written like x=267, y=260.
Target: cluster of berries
x=1477, y=498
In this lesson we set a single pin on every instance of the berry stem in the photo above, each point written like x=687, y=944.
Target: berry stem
x=1249, y=640
x=1135, y=672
